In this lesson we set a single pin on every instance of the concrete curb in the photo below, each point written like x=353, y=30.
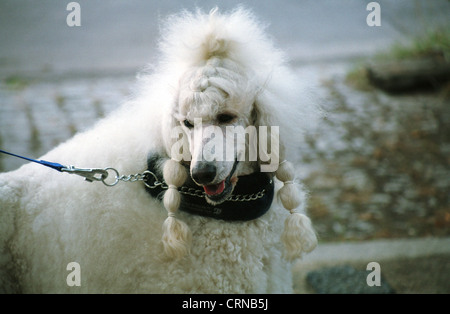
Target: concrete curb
x=408, y=265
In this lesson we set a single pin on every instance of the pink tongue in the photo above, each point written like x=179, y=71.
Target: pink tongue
x=214, y=189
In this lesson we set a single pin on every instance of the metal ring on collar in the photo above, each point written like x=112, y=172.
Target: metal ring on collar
x=116, y=177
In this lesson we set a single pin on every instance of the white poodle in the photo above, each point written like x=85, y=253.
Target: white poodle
x=201, y=216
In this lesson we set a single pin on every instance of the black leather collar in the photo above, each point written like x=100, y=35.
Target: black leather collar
x=251, y=198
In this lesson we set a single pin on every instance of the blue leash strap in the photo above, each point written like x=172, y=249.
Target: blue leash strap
x=52, y=165
x=89, y=174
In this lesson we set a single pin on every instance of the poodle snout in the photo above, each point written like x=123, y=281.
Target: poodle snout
x=204, y=173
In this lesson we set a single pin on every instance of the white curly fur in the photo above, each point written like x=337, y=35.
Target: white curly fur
x=122, y=237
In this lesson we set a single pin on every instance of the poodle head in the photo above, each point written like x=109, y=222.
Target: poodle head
x=235, y=104
x=215, y=109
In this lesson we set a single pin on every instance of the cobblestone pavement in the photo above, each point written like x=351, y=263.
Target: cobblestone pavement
x=376, y=167
x=378, y=164
x=35, y=116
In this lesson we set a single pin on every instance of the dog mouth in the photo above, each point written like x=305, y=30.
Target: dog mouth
x=219, y=192
x=214, y=189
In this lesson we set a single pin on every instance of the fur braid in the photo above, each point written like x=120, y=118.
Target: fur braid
x=176, y=234
x=298, y=235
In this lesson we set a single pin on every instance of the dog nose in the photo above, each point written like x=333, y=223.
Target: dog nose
x=204, y=173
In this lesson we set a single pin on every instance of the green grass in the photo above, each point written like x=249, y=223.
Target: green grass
x=432, y=44
x=357, y=78
x=15, y=82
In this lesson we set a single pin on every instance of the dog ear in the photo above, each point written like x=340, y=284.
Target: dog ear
x=280, y=105
x=174, y=139
x=268, y=136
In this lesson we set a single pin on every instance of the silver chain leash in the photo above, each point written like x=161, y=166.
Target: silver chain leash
x=183, y=190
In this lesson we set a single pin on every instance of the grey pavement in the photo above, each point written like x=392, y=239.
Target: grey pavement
x=119, y=36
x=56, y=81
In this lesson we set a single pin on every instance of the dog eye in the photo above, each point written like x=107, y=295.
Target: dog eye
x=225, y=118
x=188, y=124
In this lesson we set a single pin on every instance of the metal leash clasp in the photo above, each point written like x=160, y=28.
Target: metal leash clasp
x=99, y=174
x=89, y=174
